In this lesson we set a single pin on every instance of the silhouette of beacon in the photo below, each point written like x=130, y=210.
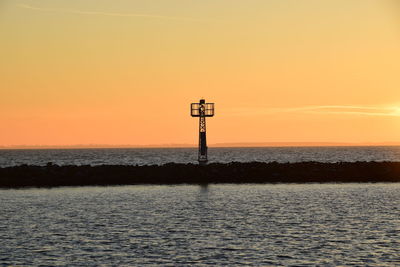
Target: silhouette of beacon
x=202, y=110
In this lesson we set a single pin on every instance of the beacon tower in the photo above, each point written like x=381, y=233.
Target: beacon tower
x=202, y=110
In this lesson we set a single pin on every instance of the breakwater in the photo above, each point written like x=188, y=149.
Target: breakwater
x=171, y=173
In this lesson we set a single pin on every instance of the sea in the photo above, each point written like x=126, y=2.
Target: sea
x=159, y=156
x=208, y=225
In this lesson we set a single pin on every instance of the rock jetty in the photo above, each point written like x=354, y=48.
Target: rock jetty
x=172, y=173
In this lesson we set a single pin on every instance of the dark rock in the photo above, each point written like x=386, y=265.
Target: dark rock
x=53, y=175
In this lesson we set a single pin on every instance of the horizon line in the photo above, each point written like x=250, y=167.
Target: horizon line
x=214, y=145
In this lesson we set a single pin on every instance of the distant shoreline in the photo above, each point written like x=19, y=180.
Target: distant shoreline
x=216, y=145
x=216, y=173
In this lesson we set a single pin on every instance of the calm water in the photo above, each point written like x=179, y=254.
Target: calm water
x=189, y=155
x=216, y=225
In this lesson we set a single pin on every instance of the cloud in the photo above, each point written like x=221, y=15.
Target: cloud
x=100, y=13
x=357, y=110
x=390, y=111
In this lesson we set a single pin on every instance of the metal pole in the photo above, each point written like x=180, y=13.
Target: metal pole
x=202, y=136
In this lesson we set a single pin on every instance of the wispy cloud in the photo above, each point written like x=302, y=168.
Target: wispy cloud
x=390, y=111
x=100, y=13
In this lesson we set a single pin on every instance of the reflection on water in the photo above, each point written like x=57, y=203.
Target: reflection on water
x=202, y=225
x=204, y=188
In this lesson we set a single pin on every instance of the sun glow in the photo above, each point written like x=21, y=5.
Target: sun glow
x=396, y=111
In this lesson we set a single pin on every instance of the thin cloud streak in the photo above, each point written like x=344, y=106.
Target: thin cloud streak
x=327, y=109
x=99, y=13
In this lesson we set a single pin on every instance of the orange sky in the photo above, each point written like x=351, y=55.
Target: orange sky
x=124, y=72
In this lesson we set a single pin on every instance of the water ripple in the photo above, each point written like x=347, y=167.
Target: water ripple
x=142, y=156
x=258, y=225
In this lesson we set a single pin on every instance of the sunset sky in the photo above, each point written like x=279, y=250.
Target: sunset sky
x=124, y=72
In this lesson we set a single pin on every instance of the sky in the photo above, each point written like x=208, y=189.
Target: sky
x=124, y=72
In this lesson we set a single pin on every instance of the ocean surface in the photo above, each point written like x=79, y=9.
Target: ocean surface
x=233, y=225
x=148, y=156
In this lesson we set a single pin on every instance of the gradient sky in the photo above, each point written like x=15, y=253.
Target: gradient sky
x=125, y=71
